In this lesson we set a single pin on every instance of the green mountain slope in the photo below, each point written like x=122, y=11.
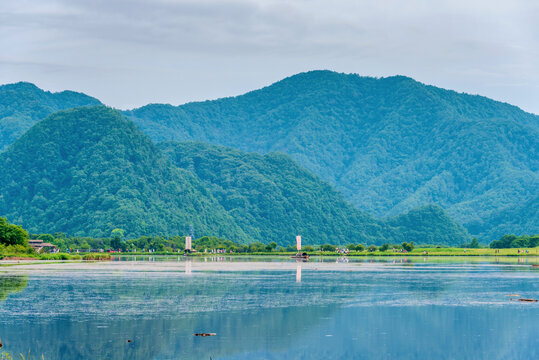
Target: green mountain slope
x=389, y=145
x=271, y=196
x=23, y=104
x=428, y=224
x=87, y=171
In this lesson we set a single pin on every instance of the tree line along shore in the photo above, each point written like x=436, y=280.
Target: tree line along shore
x=14, y=243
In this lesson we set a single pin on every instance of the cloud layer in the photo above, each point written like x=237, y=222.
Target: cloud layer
x=132, y=52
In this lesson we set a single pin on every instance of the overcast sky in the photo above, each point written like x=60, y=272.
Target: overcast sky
x=129, y=53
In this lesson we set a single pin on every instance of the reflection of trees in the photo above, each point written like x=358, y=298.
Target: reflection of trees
x=93, y=317
x=10, y=284
x=173, y=294
x=78, y=316
x=164, y=338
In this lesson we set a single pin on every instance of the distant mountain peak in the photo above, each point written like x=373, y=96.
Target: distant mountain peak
x=21, y=85
x=388, y=144
x=23, y=104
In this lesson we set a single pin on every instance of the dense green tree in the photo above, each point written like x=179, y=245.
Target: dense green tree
x=11, y=234
x=48, y=238
x=474, y=244
x=512, y=241
x=408, y=246
x=116, y=243
x=384, y=247
x=328, y=247
x=118, y=232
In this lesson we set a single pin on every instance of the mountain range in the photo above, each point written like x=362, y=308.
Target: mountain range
x=23, y=104
x=89, y=170
x=391, y=146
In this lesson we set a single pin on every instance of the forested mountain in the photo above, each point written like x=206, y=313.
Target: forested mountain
x=389, y=145
x=87, y=171
x=23, y=104
x=271, y=194
x=430, y=223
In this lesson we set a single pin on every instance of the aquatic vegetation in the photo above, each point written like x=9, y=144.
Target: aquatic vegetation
x=99, y=256
x=12, y=284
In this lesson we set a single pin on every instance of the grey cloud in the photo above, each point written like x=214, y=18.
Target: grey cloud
x=179, y=51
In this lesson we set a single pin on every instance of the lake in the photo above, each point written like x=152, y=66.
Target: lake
x=272, y=308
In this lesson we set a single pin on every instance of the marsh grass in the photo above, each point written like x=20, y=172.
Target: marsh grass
x=7, y=356
x=96, y=257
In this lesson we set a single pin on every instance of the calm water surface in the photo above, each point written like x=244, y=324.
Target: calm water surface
x=267, y=308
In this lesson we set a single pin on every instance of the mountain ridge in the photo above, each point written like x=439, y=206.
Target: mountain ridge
x=89, y=170
x=388, y=144
x=23, y=104
x=375, y=140
x=86, y=171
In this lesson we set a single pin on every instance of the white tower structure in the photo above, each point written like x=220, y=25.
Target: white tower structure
x=298, y=241
x=188, y=243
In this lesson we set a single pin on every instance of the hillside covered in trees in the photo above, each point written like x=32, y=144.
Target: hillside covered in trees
x=23, y=104
x=88, y=171
x=271, y=193
x=389, y=145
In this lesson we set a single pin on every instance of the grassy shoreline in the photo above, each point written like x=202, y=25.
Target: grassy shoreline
x=57, y=257
x=415, y=252
x=485, y=252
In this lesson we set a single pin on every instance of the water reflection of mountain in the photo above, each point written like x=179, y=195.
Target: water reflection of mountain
x=147, y=294
x=406, y=312
x=12, y=284
x=293, y=333
x=164, y=338
x=436, y=332
x=83, y=316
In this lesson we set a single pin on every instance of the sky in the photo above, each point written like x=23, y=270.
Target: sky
x=128, y=53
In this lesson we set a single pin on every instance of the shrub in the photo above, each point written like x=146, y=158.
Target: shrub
x=384, y=247
x=328, y=247
x=12, y=234
x=96, y=257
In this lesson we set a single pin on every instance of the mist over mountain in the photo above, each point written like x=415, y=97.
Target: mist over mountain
x=389, y=145
x=23, y=104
